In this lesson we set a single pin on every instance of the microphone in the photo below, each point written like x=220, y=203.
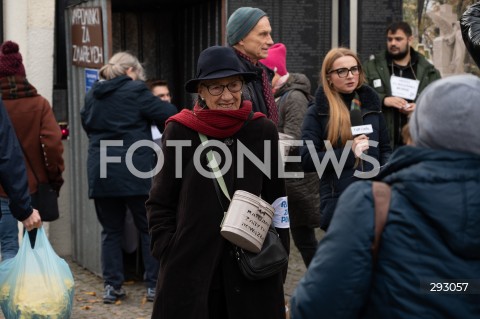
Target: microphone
x=356, y=120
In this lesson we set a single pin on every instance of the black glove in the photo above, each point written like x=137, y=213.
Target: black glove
x=470, y=25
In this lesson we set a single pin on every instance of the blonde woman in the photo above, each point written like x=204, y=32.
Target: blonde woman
x=342, y=89
x=120, y=107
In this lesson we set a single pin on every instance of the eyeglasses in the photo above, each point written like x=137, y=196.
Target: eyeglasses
x=217, y=89
x=343, y=72
x=163, y=95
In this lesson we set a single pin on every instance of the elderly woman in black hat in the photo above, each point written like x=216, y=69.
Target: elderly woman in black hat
x=199, y=276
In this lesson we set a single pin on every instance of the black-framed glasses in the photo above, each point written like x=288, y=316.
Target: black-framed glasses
x=343, y=72
x=217, y=89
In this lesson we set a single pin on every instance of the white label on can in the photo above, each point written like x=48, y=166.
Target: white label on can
x=281, y=218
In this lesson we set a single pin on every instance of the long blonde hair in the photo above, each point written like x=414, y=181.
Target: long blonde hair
x=118, y=65
x=339, y=120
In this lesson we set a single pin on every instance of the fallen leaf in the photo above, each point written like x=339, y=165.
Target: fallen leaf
x=86, y=308
x=118, y=302
x=144, y=300
x=90, y=293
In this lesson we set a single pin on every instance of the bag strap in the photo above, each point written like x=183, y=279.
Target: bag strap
x=216, y=170
x=382, y=194
x=29, y=163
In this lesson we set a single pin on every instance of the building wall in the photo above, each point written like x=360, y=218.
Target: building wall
x=30, y=23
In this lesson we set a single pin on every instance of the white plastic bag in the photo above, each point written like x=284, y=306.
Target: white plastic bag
x=36, y=283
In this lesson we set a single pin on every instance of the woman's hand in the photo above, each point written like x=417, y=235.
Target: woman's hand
x=360, y=144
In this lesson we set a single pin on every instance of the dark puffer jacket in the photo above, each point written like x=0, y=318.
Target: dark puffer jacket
x=121, y=110
x=432, y=235
x=315, y=129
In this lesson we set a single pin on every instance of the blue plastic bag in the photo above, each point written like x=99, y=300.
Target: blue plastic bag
x=36, y=283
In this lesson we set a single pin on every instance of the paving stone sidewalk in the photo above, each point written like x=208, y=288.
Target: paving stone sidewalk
x=89, y=287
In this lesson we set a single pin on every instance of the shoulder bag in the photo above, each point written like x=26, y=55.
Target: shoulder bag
x=45, y=199
x=272, y=258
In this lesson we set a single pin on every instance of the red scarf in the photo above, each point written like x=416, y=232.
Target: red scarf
x=266, y=90
x=216, y=123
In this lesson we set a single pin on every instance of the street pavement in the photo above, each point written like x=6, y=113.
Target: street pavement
x=88, y=302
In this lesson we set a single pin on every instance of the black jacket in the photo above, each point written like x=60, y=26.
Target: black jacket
x=315, y=129
x=13, y=174
x=121, y=110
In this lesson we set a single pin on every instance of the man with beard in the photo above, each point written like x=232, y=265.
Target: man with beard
x=399, y=75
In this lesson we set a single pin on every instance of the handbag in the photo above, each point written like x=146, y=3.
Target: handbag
x=272, y=258
x=45, y=199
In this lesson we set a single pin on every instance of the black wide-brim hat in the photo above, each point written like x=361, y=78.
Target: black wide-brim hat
x=217, y=62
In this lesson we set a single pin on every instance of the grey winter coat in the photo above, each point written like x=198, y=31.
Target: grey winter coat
x=303, y=193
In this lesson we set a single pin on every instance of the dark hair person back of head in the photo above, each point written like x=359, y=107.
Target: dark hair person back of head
x=153, y=83
x=400, y=25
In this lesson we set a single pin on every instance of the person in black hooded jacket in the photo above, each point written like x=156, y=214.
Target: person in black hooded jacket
x=118, y=112
x=327, y=125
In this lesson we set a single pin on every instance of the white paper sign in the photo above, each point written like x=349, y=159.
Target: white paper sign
x=281, y=219
x=377, y=83
x=403, y=87
x=156, y=135
x=362, y=129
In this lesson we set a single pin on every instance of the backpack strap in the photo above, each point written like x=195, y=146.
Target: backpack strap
x=382, y=193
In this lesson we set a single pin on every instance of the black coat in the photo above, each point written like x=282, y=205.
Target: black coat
x=121, y=110
x=184, y=216
x=315, y=129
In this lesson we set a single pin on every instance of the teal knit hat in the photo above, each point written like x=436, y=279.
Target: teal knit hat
x=241, y=22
